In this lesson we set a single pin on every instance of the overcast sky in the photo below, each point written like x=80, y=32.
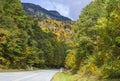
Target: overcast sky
x=68, y=8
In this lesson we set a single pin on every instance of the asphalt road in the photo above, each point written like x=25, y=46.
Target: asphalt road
x=41, y=75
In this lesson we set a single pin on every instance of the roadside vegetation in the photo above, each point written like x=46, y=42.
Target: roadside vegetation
x=95, y=50
x=12, y=70
x=77, y=77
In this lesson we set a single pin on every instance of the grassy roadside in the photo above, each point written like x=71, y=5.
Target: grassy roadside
x=62, y=77
x=17, y=70
x=69, y=77
x=12, y=70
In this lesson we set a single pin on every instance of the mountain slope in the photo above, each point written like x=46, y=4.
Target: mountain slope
x=37, y=11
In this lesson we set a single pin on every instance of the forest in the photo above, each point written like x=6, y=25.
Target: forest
x=96, y=43
x=89, y=47
x=24, y=43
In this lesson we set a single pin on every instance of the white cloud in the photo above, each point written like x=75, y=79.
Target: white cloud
x=71, y=7
x=62, y=9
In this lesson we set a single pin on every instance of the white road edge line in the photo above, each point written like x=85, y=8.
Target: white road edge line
x=25, y=77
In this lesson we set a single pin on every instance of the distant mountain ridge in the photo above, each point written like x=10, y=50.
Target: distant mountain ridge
x=37, y=11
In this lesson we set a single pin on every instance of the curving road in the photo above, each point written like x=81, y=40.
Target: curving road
x=41, y=75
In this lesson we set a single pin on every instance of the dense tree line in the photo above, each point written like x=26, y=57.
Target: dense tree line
x=22, y=42
x=96, y=44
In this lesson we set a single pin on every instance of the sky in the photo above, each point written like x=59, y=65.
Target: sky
x=68, y=8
